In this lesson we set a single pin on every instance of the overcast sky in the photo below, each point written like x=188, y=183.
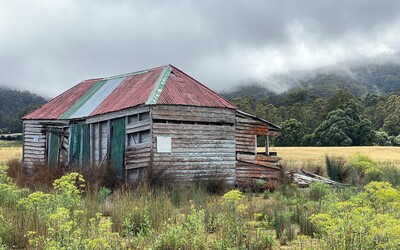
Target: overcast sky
x=48, y=46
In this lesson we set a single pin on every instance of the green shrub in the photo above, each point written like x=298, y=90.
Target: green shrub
x=391, y=174
x=262, y=240
x=104, y=193
x=284, y=227
x=137, y=223
x=266, y=194
x=365, y=169
x=258, y=185
x=318, y=190
x=336, y=168
x=233, y=196
x=368, y=220
x=191, y=234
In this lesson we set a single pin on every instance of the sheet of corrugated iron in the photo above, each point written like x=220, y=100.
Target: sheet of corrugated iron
x=130, y=90
x=133, y=91
x=183, y=90
x=159, y=86
x=98, y=97
x=84, y=98
x=60, y=104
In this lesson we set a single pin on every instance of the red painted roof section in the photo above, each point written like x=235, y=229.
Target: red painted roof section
x=133, y=91
x=181, y=89
x=54, y=108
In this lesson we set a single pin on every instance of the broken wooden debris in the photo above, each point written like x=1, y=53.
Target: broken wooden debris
x=304, y=179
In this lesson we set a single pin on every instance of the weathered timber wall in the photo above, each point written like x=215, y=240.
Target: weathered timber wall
x=64, y=147
x=34, y=143
x=99, y=132
x=202, y=142
x=247, y=172
x=193, y=114
x=247, y=130
x=138, y=143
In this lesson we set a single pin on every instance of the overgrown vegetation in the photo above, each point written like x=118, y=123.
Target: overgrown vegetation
x=332, y=109
x=78, y=213
x=13, y=105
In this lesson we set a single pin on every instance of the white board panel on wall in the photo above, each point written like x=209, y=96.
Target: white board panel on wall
x=164, y=144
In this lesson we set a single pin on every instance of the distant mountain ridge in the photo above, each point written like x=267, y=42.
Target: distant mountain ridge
x=13, y=104
x=380, y=79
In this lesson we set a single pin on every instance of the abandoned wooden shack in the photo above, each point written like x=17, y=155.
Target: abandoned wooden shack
x=159, y=118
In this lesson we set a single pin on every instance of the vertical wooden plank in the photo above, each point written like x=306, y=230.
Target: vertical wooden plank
x=91, y=144
x=267, y=144
x=85, y=145
x=53, y=143
x=23, y=143
x=151, y=163
x=100, y=152
x=108, y=146
x=126, y=145
x=117, y=145
x=80, y=145
x=75, y=143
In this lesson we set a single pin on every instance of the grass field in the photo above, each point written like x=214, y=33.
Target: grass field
x=292, y=156
x=10, y=149
x=314, y=156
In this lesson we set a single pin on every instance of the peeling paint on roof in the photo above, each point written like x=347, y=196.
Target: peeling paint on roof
x=84, y=98
x=161, y=85
x=97, y=98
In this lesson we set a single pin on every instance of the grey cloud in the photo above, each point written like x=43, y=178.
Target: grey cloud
x=49, y=46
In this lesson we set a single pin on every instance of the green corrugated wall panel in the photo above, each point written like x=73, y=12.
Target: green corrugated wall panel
x=85, y=144
x=79, y=144
x=53, y=143
x=75, y=144
x=84, y=98
x=118, y=145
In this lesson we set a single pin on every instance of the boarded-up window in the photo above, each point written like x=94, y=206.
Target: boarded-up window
x=138, y=129
x=138, y=137
x=164, y=144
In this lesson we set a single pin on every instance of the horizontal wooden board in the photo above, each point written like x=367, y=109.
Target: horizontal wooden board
x=118, y=114
x=137, y=165
x=137, y=129
x=137, y=154
x=191, y=109
x=192, y=158
x=196, y=127
x=137, y=124
x=34, y=144
x=184, y=165
x=139, y=146
x=28, y=155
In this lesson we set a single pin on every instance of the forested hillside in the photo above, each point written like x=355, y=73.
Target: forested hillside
x=14, y=104
x=358, y=107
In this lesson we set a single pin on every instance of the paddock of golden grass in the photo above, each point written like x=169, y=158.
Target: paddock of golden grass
x=297, y=157
x=9, y=150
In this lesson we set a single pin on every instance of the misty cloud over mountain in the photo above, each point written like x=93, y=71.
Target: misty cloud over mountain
x=47, y=47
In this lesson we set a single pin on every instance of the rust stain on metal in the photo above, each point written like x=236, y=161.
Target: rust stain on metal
x=181, y=89
x=58, y=105
x=133, y=91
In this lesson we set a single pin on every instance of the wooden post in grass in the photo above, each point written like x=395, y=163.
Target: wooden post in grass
x=267, y=144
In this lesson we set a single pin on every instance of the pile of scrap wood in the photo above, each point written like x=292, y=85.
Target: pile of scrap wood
x=304, y=179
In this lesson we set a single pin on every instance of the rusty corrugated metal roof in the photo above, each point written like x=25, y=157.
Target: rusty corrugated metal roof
x=133, y=91
x=56, y=107
x=161, y=85
x=181, y=89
